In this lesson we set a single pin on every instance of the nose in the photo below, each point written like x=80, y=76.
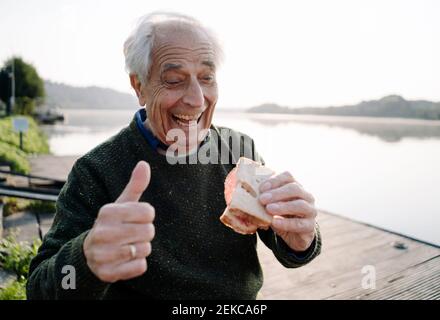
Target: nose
x=193, y=95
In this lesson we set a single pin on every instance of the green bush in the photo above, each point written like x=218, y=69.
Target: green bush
x=40, y=206
x=24, y=106
x=16, y=290
x=13, y=205
x=16, y=256
x=28, y=83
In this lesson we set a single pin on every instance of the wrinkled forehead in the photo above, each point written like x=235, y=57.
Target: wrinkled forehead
x=182, y=42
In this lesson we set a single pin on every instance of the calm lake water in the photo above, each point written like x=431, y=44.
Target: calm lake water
x=384, y=172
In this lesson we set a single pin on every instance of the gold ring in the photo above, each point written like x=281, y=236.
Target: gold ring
x=133, y=251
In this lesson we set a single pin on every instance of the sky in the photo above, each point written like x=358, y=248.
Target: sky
x=293, y=53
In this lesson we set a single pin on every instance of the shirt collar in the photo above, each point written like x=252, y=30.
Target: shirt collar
x=141, y=116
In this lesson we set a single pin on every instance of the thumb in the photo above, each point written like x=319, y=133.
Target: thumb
x=139, y=180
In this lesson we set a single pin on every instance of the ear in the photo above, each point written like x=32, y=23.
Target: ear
x=137, y=86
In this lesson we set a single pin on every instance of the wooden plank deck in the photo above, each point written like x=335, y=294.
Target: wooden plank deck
x=348, y=246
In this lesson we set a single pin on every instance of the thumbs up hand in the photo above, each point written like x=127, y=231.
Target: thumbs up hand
x=139, y=181
x=120, y=240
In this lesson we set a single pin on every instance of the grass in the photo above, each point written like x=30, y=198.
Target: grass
x=14, y=205
x=34, y=142
x=16, y=157
x=16, y=257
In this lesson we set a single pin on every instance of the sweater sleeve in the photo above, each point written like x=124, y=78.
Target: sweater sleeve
x=60, y=270
x=284, y=254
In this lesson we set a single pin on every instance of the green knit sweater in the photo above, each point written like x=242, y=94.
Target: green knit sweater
x=194, y=255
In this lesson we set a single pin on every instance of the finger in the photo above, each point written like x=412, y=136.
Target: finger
x=117, y=254
x=128, y=212
x=132, y=233
x=142, y=250
x=131, y=269
x=286, y=192
x=124, y=233
x=276, y=181
x=295, y=225
x=139, y=180
x=299, y=208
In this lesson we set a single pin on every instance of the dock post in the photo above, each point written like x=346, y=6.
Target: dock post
x=21, y=140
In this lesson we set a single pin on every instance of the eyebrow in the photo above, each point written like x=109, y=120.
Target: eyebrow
x=175, y=66
x=171, y=66
x=209, y=63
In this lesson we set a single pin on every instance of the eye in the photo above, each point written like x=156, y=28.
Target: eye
x=172, y=82
x=172, y=79
x=208, y=78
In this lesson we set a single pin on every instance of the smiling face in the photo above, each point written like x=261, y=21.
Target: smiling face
x=181, y=91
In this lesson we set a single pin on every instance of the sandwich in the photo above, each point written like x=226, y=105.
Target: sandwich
x=244, y=213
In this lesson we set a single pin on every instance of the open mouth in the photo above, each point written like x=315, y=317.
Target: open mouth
x=185, y=120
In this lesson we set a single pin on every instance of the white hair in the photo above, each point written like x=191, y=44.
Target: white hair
x=138, y=46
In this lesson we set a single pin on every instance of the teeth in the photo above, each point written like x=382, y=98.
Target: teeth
x=187, y=117
x=185, y=124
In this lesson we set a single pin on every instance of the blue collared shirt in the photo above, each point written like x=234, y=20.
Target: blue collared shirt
x=141, y=116
x=155, y=143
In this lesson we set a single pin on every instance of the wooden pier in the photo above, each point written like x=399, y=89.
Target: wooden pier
x=404, y=268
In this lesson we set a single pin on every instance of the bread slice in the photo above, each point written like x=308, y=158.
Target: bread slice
x=244, y=212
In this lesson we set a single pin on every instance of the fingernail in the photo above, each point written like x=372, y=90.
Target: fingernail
x=273, y=207
x=266, y=197
x=266, y=186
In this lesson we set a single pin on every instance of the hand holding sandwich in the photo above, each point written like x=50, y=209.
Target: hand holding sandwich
x=293, y=210
x=258, y=198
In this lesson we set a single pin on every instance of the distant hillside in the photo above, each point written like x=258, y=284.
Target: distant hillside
x=70, y=97
x=390, y=106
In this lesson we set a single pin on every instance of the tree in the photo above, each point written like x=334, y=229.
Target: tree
x=28, y=85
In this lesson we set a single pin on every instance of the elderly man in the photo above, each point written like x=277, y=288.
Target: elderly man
x=131, y=224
